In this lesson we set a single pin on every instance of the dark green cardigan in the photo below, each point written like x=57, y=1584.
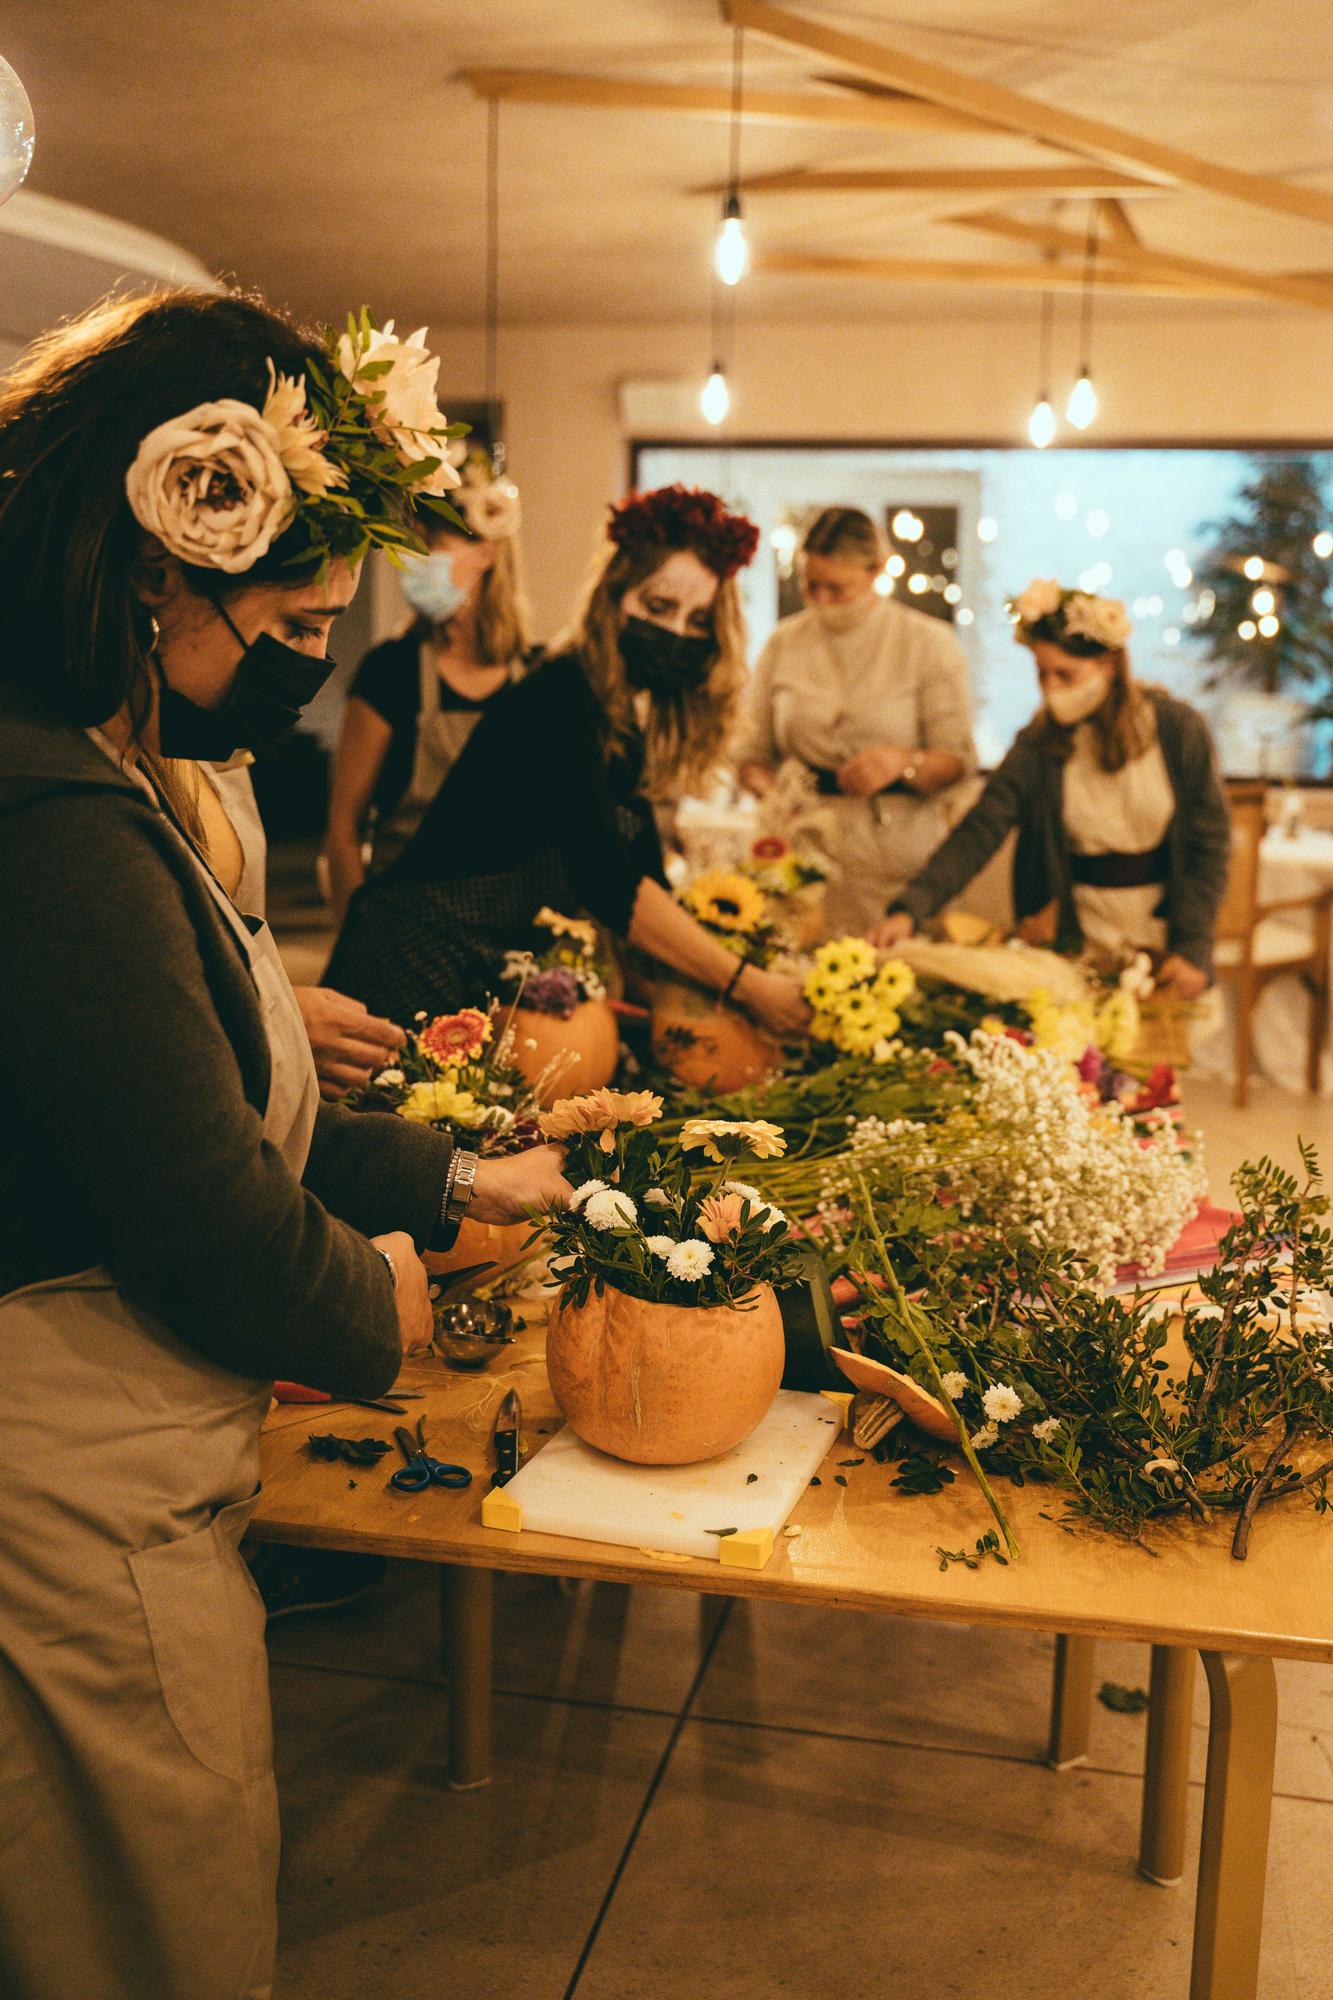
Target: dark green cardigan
x=1026, y=791
x=134, y=1069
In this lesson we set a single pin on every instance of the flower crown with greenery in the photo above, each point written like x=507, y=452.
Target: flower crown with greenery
x=1077, y=621
x=333, y=462
x=488, y=502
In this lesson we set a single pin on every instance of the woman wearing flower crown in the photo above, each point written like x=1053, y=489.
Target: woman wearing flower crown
x=188, y=484
x=551, y=802
x=416, y=699
x=1123, y=833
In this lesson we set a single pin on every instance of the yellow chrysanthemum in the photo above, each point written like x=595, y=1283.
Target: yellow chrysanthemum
x=895, y=981
x=722, y=1139
x=821, y=995
x=1067, y=1031
x=845, y=961
x=441, y=1103
x=725, y=900
x=1117, y=1025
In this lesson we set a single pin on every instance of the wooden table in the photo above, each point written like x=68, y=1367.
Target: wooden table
x=864, y=1547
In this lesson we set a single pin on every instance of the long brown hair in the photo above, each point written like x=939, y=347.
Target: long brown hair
x=685, y=735
x=1122, y=726
x=504, y=622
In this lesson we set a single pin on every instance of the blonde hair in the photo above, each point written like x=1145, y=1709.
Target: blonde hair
x=684, y=735
x=846, y=534
x=504, y=622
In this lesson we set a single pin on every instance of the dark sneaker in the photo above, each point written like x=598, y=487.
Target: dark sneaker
x=293, y=1580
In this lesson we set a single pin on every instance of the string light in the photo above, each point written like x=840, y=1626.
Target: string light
x=1041, y=424
x=907, y=526
x=1269, y=627
x=884, y=584
x=987, y=529
x=1081, y=408
x=1098, y=521
x=1247, y=628
x=715, y=397
x=731, y=252
x=1254, y=568
x=1323, y=544
x=1262, y=602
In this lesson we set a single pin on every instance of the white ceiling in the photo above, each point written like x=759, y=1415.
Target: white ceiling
x=323, y=149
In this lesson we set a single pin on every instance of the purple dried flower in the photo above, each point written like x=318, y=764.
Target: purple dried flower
x=554, y=991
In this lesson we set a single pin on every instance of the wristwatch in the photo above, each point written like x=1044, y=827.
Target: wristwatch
x=458, y=1186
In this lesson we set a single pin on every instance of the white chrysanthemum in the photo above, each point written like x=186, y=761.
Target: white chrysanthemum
x=1046, y=1429
x=609, y=1208
x=389, y=1079
x=955, y=1384
x=657, y=1197
x=690, y=1260
x=585, y=1192
x=1001, y=1403
x=662, y=1246
x=402, y=401
x=983, y=1439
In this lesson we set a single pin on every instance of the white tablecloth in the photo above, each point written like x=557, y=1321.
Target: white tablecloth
x=1287, y=868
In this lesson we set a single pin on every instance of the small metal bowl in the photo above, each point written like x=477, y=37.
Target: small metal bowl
x=469, y=1333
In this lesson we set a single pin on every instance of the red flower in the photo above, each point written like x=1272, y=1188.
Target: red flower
x=683, y=517
x=769, y=848
x=451, y=1039
x=1159, y=1090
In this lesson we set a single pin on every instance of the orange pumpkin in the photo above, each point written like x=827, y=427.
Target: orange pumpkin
x=493, y=1243
x=590, y=1035
x=661, y=1384
x=705, y=1045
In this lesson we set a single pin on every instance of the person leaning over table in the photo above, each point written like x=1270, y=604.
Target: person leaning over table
x=1123, y=830
x=872, y=698
x=551, y=801
x=181, y=1218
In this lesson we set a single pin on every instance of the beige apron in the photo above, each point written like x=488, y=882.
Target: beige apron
x=236, y=795
x=138, y=1811
x=442, y=736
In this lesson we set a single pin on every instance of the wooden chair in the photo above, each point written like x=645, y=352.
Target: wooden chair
x=1258, y=942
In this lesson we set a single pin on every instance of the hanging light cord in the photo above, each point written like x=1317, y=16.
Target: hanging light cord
x=1047, y=331
x=737, y=77
x=493, y=270
x=1089, y=279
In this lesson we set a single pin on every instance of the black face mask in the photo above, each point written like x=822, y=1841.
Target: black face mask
x=273, y=684
x=663, y=662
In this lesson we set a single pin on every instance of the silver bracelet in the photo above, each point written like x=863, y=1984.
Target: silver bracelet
x=393, y=1268
x=458, y=1194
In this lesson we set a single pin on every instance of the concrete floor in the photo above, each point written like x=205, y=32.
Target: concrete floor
x=695, y=1799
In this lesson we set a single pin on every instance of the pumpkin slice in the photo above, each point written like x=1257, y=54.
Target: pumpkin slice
x=927, y=1412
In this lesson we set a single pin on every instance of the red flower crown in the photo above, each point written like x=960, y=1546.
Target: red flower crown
x=683, y=517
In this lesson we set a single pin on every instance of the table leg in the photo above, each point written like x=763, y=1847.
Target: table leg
x=1071, y=1702
x=467, y=1610
x=1237, y=1805
x=1166, y=1772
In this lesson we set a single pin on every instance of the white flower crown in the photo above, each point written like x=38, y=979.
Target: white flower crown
x=336, y=458
x=1046, y=610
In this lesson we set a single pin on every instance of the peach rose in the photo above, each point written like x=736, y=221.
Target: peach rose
x=211, y=485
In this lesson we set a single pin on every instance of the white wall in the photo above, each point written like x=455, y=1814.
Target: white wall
x=1171, y=375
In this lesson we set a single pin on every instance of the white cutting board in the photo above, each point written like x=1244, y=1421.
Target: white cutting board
x=570, y=1489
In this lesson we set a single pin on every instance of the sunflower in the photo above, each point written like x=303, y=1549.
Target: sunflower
x=725, y=900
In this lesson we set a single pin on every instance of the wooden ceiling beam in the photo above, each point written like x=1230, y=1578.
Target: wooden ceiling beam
x=1036, y=277
x=761, y=107
x=1297, y=290
x=1119, y=228
x=1069, y=182
x=1010, y=111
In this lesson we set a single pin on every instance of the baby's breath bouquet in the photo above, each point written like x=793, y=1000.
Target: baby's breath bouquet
x=660, y=1215
x=857, y=997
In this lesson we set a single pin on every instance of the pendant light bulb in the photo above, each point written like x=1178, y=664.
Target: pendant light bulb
x=1082, y=406
x=715, y=400
x=731, y=252
x=1041, y=424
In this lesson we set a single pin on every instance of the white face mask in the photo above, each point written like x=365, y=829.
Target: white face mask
x=1068, y=705
x=843, y=617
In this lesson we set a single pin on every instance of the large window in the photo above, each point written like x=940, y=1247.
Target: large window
x=1129, y=522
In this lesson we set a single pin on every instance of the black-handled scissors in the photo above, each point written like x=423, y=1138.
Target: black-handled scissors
x=420, y=1470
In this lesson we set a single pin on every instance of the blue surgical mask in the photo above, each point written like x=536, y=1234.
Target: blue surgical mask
x=429, y=586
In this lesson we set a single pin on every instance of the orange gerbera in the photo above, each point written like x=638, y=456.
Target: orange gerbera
x=453, y=1039
x=600, y=1111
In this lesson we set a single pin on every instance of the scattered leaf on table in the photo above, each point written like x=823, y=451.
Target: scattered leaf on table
x=719, y=1531
x=750, y=1478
